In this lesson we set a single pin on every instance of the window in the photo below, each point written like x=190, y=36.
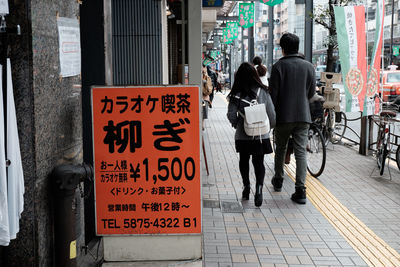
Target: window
x=393, y=77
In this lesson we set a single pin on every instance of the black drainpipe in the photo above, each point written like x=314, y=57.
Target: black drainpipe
x=66, y=179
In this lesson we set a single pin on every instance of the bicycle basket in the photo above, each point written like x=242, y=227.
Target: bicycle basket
x=332, y=98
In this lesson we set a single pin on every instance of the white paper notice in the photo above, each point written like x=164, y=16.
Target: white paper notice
x=69, y=46
x=4, y=7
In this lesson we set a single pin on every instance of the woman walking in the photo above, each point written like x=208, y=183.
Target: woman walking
x=248, y=86
x=261, y=70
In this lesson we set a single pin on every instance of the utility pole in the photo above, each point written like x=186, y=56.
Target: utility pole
x=242, y=44
x=391, y=36
x=270, y=37
x=308, y=30
x=251, y=42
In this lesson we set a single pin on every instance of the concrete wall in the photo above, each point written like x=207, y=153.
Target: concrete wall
x=57, y=112
x=49, y=123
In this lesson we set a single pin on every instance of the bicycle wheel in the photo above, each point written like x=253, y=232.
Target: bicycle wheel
x=327, y=129
x=340, y=127
x=381, y=158
x=398, y=156
x=316, y=152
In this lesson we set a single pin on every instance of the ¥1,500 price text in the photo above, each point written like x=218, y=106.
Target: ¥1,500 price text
x=150, y=223
x=161, y=169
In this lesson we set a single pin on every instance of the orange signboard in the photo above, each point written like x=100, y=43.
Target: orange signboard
x=147, y=159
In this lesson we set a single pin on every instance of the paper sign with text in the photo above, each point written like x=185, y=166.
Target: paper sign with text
x=147, y=159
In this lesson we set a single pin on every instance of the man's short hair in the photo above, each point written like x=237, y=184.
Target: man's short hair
x=289, y=43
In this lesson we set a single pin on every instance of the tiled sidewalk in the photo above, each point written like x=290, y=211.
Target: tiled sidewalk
x=280, y=232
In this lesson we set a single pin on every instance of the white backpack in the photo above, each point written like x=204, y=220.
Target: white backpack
x=256, y=121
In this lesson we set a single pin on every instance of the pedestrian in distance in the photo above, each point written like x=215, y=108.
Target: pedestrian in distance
x=248, y=86
x=261, y=70
x=220, y=80
x=206, y=90
x=214, y=78
x=292, y=84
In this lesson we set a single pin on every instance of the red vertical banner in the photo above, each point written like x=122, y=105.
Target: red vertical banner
x=362, y=51
x=376, y=61
x=147, y=159
x=350, y=27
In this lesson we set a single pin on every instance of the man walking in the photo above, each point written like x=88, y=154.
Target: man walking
x=292, y=84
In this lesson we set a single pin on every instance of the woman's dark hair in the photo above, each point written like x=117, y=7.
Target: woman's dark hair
x=257, y=60
x=261, y=69
x=289, y=43
x=246, y=78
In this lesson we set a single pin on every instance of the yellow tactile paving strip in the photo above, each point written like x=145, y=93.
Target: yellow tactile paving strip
x=368, y=245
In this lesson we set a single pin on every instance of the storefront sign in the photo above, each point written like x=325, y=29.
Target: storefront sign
x=147, y=159
x=213, y=3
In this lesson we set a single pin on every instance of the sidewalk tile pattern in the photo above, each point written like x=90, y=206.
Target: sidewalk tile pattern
x=280, y=232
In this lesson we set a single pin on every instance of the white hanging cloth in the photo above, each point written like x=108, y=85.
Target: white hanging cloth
x=4, y=223
x=16, y=187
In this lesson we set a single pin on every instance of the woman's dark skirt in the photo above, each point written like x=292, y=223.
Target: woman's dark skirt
x=253, y=146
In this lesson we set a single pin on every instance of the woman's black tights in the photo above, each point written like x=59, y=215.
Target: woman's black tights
x=258, y=164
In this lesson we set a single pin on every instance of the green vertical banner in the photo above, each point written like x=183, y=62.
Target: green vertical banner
x=213, y=54
x=246, y=15
x=230, y=33
x=234, y=29
x=271, y=2
x=226, y=38
x=350, y=27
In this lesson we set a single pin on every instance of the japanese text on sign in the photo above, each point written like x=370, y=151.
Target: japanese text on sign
x=146, y=146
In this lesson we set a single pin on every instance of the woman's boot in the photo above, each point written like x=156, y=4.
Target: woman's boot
x=246, y=192
x=258, y=198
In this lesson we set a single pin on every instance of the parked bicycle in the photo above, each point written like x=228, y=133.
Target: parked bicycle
x=316, y=150
x=331, y=121
x=386, y=126
x=333, y=126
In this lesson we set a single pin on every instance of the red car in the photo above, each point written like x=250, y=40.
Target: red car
x=391, y=85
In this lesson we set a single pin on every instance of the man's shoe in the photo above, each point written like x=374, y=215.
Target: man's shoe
x=300, y=195
x=258, y=198
x=277, y=184
x=246, y=192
